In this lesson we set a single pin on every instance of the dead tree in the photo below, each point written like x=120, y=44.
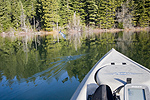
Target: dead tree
x=125, y=15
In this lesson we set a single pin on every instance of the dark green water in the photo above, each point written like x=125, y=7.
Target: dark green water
x=42, y=68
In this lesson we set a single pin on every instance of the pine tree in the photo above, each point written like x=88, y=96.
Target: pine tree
x=56, y=17
x=39, y=14
x=107, y=13
x=98, y=13
x=15, y=14
x=91, y=10
x=143, y=18
x=65, y=12
x=111, y=13
x=50, y=14
x=78, y=6
x=131, y=20
x=47, y=15
x=30, y=11
x=5, y=16
x=147, y=5
x=22, y=16
x=133, y=8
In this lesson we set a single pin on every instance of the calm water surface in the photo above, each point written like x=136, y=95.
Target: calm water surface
x=45, y=68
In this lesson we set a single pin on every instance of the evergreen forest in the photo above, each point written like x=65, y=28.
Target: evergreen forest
x=49, y=15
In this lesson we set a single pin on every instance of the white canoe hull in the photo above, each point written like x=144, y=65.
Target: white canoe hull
x=117, y=69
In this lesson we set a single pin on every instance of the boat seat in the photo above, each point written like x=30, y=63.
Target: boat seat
x=103, y=92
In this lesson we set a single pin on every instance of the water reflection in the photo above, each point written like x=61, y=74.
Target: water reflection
x=40, y=66
x=59, y=64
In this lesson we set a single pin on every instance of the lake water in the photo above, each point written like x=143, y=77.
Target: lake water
x=45, y=68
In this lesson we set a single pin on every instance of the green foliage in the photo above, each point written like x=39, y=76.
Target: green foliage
x=47, y=15
x=51, y=14
x=120, y=25
x=65, y=12
x=144, y=20
x=142, y=12
x=5, y=15
x=91, y=9
x=78, y=6
x=15, y=14
x=107, y=13
x=30, y=11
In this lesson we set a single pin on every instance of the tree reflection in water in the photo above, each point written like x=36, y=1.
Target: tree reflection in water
x=45, y=58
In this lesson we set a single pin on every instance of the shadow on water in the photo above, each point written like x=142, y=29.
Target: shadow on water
x=59, y=65
x=35, y=68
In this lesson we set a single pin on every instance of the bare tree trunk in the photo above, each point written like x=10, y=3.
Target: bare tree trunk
x=74, y=20
x=33, y=17
x=34, y=22
x=125, y=16
x=57, y=33
x=22, y=17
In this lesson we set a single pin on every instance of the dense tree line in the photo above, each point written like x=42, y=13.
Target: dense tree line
x=51, y=14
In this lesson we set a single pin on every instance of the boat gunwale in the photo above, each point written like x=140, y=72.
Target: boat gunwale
x=83, y=85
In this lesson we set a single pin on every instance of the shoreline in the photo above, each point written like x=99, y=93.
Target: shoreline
x=135, y=29
x=54, y=33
